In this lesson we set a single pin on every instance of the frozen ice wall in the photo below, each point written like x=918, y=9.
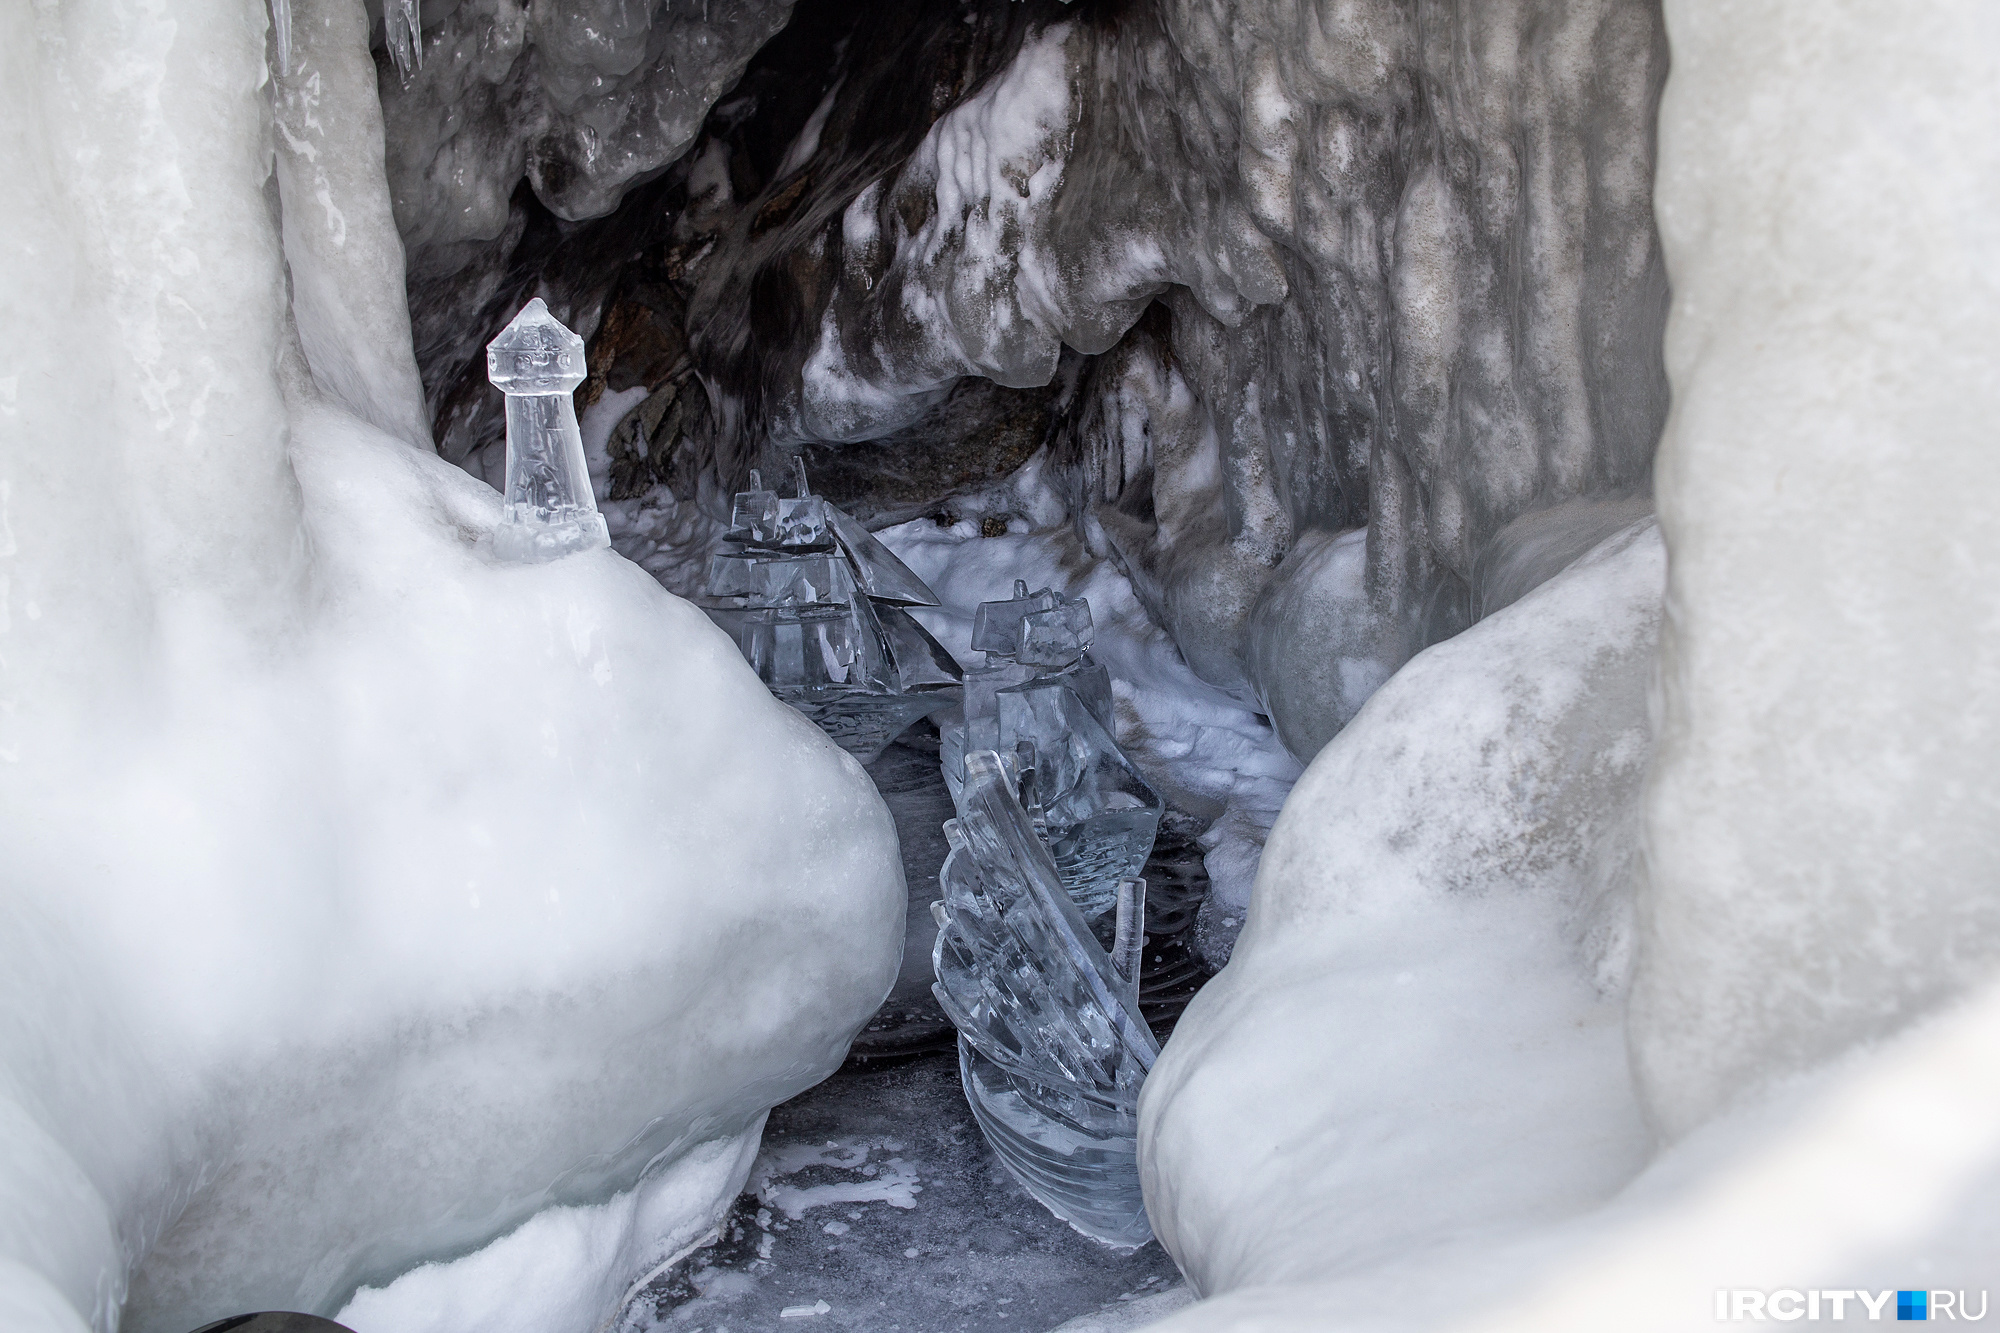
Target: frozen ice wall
x=363, y=897
x=1375, y=265
x=1822, y=811
x=1811, y=1019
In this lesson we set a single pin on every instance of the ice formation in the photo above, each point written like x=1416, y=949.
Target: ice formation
x=1822, y=872
x=362, y=895
x=1443, y=912
x=342, y=254
x=548, y=509
x=1299, y=337
x=1201, y=749
x=1052, y=1046
x=1041, y=700
x=1297, y=319
x=1812, y=1016
x=817, y=607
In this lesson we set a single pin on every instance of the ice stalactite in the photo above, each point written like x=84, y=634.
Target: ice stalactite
x=341, y=248
x=403, y=30
x=281, y=34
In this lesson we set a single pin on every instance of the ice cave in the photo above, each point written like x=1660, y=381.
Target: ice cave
x=940, y=666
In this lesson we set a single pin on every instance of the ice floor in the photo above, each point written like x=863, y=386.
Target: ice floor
x=875, y=1197
x=875, y=1204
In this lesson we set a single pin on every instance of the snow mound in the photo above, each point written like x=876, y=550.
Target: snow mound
x=363, y=897
x=1421, y=1032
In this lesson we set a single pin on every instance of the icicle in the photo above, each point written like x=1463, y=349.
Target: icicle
x=281, y=28
x=403, y=26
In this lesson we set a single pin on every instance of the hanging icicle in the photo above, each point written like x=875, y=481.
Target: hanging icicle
x=403, y=25
x=281, y=29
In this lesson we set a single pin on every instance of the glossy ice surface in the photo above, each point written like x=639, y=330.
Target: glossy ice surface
x=549, y=510
x=1053, y=1049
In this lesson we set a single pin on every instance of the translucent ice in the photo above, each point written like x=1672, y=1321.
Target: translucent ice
x=1085, y=797
x=765, y=518
x=403, y=27
x=792, y=594
x=1031, y=636
x=550, y=511
x=1042, y=701
x=1052, y=1047
x=281, y=33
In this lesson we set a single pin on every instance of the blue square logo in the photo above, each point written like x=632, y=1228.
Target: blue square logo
x=1913, y=1305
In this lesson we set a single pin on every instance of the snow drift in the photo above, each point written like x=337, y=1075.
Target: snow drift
x=362, y=896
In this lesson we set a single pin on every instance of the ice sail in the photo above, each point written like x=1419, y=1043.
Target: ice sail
x=1041, y=700
x=801, y=604
x=1052, y=1046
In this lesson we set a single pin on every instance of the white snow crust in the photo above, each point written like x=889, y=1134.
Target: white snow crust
x=362, y=898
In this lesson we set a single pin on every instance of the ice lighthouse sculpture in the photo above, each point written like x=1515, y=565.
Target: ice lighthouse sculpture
x=816, y=605
x=549, y=511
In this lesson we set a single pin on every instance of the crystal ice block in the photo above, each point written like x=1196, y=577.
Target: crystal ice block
x=1098, y=815
x=767, y=519
x=1044, y=629
x=549, y=511
x=1052, y=1047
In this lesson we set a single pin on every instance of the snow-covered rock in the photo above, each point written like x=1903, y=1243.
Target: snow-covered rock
x=1420, y=1034
x=363, y=896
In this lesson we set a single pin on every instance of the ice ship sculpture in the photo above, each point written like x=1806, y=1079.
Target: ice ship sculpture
x=1052, y=1046
x=549, y=511
x=816, y=605
x=1041, y=700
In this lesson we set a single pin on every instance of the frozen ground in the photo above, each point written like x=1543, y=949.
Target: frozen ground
x=875, y=1196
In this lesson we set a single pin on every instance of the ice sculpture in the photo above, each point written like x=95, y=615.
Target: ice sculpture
x=550, y=512
x=1052, y=1046
x=816, y=605
x=1042, y=701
